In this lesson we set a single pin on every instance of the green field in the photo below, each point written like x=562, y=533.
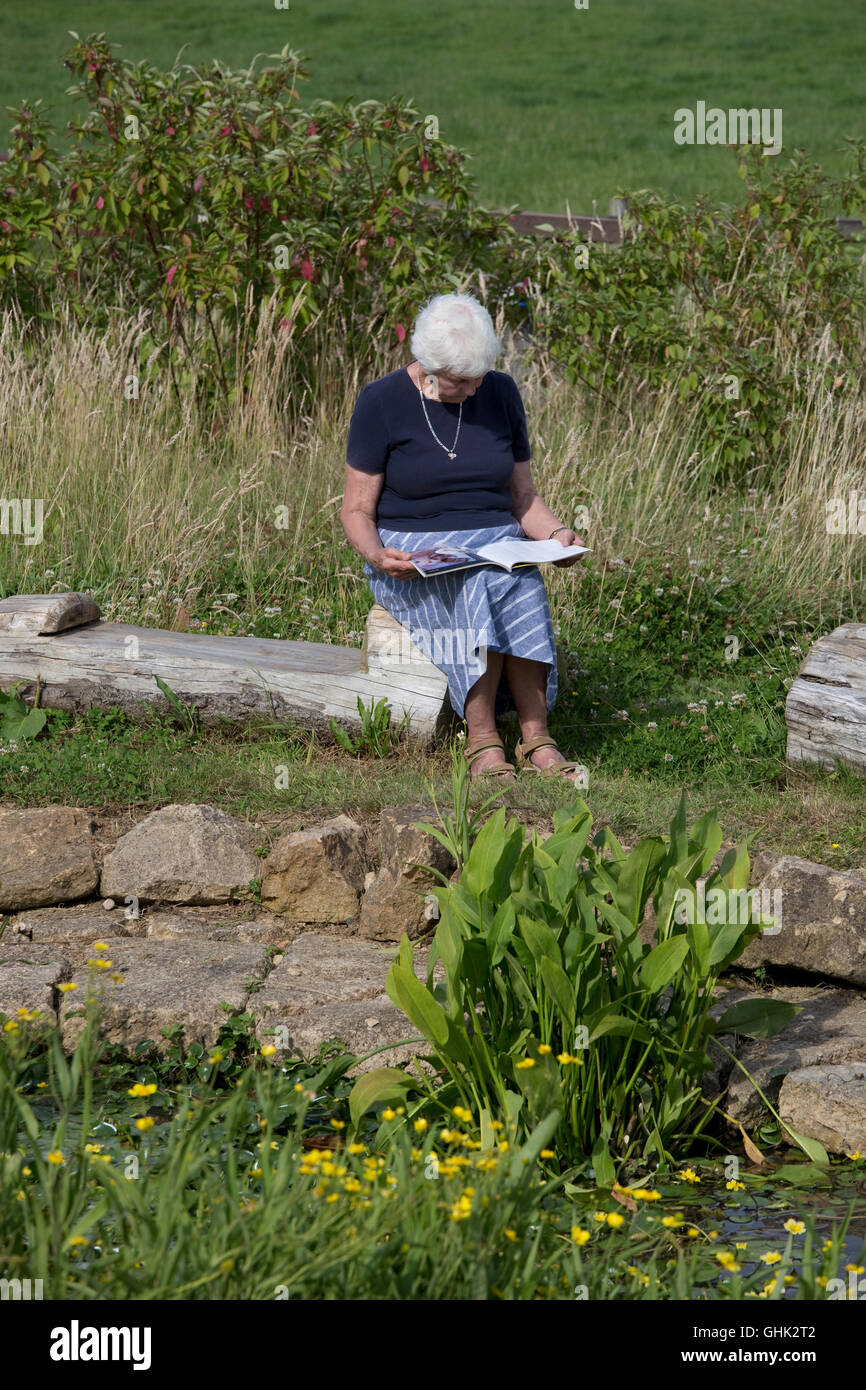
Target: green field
x=556, y=105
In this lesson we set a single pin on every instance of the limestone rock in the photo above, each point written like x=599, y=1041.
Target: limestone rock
x=80, y=924
x=166, y=983
x=396, y=901
x=828, y=1104
x=216, y=924
x=821, y=919
x=316, y=875
x=831, y=1029
x=327, y=988
x=28, y=983
x=183, y=854
x=46, y=856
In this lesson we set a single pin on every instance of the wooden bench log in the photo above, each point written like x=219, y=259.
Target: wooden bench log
x=85, y=663
x=826, y=706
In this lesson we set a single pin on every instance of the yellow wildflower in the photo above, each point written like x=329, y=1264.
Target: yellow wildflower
x=579, y=1234
x=771, y=1257
x=69, y=985
x=733, y=1186
x=688, y=1175
x=796, y=1228
x=142, y=1089
x=55, y=1156
x=544, y=1049
x=419, y=1125
x=146, y=1122
x=268, y=1049
x=526, y=1064
x=615, y=1219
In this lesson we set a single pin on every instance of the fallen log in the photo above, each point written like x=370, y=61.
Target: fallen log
x=826, y=706
x=58, y=644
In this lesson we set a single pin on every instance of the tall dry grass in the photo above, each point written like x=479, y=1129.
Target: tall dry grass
x=152, y=502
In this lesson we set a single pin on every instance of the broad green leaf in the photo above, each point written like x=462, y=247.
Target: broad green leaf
x=385, y=1083
x=663, y=962
x=636, y=877
x=811, y=1148
x=539, y=1139
x=620, y=1026
x=417, y=1003
x=605, y=1171
x=560, y=987
x=540, y=939
x=757, y=1017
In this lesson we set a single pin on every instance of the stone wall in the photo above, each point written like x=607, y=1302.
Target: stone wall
x=197, y=911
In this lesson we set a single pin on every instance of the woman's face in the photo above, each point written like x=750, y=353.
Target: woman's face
x=457, y=388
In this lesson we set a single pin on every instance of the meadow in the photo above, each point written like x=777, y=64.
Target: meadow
x=593, y=91
x=180, y=401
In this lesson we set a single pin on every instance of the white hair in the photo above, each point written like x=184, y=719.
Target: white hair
x=454, y=333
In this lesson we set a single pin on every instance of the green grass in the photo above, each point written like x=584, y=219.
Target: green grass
x=567, y=106
x=231, y=1178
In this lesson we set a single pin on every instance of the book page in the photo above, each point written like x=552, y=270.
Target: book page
x=520, y=552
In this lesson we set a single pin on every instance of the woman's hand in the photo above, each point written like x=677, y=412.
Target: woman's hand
x=395, y=562
x=568, y=538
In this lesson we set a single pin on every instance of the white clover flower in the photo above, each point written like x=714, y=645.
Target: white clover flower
x=652, y=724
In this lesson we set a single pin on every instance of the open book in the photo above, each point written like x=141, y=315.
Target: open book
x=508, y=555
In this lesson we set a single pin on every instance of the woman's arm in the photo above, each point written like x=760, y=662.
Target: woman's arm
x=534, y=515
x=358, y=515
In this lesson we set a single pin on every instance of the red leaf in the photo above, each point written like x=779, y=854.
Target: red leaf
x=400, y=331
x=424, y=165
x=198, y=184
x=225, y=130
x=169, y=130
x=307, y=269
x=311, y=128
x=100, y=202
x=171, y=274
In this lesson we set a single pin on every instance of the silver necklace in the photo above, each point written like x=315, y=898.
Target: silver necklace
x=452, y=454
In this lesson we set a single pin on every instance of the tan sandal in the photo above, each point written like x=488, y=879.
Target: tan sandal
x=502, y=770
x=523, y=753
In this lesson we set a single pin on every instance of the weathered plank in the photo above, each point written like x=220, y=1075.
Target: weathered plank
x=826, y=706
x=241, y=679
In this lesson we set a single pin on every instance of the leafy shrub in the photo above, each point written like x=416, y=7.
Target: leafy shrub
x=749, y=311
x=207, y=197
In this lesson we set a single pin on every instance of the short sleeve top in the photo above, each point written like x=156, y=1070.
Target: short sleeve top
x=424, y=489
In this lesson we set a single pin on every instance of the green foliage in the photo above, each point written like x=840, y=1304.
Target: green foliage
x=210, y=196
x=17, y=722
x=752, y=310
x=169, y=1177
x=553, y=1002
x=377, y=738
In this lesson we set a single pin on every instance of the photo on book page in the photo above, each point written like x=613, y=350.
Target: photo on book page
x=439, y=560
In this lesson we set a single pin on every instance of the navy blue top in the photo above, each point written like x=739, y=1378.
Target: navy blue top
x=424, y=489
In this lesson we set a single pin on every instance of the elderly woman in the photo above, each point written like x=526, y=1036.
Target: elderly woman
x=438, y=455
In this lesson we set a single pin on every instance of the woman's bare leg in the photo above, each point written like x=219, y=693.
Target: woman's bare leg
x=479, y=712
x=528, y=681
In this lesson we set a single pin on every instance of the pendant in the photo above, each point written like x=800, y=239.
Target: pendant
x=452, y=456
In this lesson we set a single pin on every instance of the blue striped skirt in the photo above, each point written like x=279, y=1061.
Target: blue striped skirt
x=455, y=619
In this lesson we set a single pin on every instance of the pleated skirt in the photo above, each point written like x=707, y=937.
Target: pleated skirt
x=456, y=618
